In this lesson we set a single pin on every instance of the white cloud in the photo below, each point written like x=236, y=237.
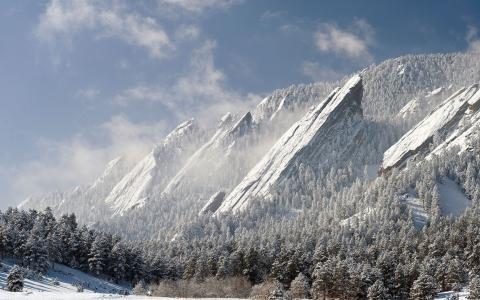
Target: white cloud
x=269, y=15
x=200, y=93
x=187, y=33
x=108, y=19
x=472, y=39
x=88, y=93
x=350, y=42
x=197, y=6
x=320, y=73
x=79, y=160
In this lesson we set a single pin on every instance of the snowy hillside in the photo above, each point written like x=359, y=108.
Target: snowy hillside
x=335, y=123
x=61, y=280
x=152, y=173
x=442, y=121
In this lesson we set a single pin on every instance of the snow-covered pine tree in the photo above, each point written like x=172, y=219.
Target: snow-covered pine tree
x=36, y=251
x=300, y=288
x=378, y=291
x=15, y=279
x=99, y=254
x=474, y=288
x=424, y=287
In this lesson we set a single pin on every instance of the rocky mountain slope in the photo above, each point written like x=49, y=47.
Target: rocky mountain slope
x=448, y=123
x=327, y=133
x=248, y=155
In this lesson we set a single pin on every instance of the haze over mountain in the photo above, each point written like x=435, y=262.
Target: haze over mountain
x=232, y=148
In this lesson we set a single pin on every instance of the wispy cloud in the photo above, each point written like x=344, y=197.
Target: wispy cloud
x=270, y=15
x=80, y=159
x=64, y=19
x=351, y=42
x=201, y=92
x=317, y=72
x=196, y=6
x=472, y=39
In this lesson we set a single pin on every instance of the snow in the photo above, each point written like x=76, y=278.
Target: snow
x=212, y=156
x=81, y=296
x=401, y=69
x=151, y=173
x=420, y=136
x=313, y=129
x=463, y=295
x=453, y=201
x=66, y=278
x=434, y=92
x=419, y=215
x=410, y=108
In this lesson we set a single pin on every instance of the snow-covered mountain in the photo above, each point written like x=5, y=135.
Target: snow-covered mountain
x=86, y=201
x=152, y=173
x=256, y=153
x=326, y=133
x=449, y=124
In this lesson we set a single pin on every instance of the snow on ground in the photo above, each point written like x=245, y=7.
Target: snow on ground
x=445, y=295
x=79, y=296
x=452, y=200
x=420, y=216
x=44, y=287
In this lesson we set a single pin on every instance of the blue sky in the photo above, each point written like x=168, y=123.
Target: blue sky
x=83, y=82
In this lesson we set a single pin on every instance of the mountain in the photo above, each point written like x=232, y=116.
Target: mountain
x=447, y=122
x=152, y=173
x=257, y=153
x=86, y=201
x=327, y=133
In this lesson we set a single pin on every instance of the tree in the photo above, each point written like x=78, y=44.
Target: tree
x=140, y=288
x=279, y=293
x=424, y=287
x=36, y=251
x=322, y=280
x=300, y=287
x=99, y=255
x=15, y=280
x=474, y=288
x=378, y=291
x=119, y=262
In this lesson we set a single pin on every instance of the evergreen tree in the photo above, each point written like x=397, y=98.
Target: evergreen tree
x=474, y=288
x=36, y=251
x=119, y=262
x=300, y=288
x=15, y=280
x=99, y=255
x=424, y=287
x=377, y=291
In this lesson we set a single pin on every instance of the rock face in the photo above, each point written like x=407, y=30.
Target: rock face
x=326, y=133
x=447, y=122
x=150, y=175
x=204, y=167
x=213, y=203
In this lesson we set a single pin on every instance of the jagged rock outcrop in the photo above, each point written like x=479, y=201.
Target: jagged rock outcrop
x=326, y=133
x=447, y=122
x=213, y=203
x=150, y=175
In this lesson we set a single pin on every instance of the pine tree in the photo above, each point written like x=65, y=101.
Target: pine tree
x=424, y=287
x=36, y=251
x=322, y=280
x=15, y=280
x=119, y=261
x=99, y=255
x=474, y=288
x=377, y=291
x=300, y=287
